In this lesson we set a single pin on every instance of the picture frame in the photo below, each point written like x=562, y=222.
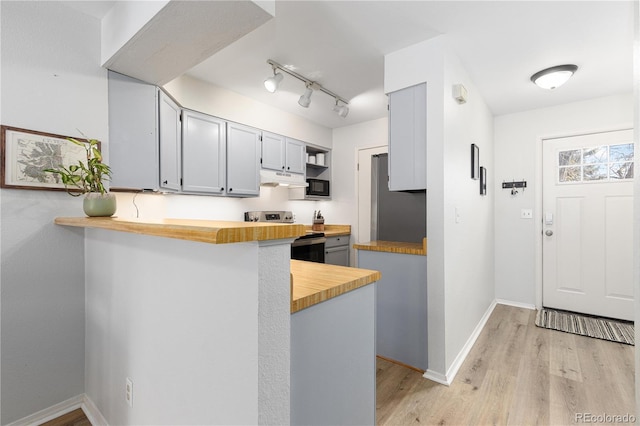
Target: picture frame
x=25, y=154
x=483, y=181
x=475, y=162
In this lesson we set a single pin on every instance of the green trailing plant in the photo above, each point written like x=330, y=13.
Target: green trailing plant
x=84, y=177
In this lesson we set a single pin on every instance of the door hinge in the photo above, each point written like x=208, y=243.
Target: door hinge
x=358, y=167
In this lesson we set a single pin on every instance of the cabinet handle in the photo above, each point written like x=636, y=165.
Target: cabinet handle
x=230, y=189
x=165, y=182
x=222, y=189
x=282, y=167
x=288, y=168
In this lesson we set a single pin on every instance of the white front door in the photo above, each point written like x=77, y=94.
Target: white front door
x=588, y=224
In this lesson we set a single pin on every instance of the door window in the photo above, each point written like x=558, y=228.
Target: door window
x=596, y=164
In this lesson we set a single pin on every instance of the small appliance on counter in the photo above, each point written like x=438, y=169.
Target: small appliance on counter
x=309, y=247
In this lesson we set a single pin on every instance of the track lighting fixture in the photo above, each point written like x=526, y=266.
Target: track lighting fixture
x=554, y=77
x=271, y=84
x=305, y=99
x=341, y=110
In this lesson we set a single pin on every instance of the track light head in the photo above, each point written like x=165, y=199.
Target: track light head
x=272, y=83
x=305, y=99
x=341, y=110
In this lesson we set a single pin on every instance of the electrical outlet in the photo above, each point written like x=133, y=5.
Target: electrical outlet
x=526, y=214
x=129, y=392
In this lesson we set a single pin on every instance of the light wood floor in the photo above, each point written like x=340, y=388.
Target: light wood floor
x=516, y=374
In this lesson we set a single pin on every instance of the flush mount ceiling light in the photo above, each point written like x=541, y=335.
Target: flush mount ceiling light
x=271, y=84
x=305, y=99
x=554, y=77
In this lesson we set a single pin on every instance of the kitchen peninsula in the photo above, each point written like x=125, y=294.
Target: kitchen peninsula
x=401, y=299
x=198, y=316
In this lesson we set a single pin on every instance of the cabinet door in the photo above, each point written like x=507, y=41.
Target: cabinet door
x=295, y=156
x=169, y=116
x=337, y=256
x=408, y=138
x=243, y=160
x=133, y=136
x=273, y=152
x=203, y=153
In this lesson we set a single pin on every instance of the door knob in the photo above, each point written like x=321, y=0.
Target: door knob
x=548, y=232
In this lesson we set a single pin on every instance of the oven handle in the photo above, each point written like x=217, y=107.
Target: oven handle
x=308, y=241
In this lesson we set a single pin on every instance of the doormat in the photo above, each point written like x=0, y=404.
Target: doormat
x=585, y=325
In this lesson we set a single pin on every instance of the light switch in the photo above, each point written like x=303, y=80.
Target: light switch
x=526, y=214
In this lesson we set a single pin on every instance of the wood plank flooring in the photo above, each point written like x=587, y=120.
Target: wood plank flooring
x=74, y=418
x=516, y=374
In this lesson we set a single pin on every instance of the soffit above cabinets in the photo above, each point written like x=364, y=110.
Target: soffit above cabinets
x=179, y=36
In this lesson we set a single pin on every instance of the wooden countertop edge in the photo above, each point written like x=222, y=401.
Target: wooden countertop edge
x=333, y=230
x=394, y=247
x=212, y=232
x=320, y=290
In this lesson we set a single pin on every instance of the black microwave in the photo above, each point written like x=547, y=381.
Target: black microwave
x=318, y=187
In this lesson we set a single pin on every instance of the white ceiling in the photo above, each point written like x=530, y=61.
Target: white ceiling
x=341, y=45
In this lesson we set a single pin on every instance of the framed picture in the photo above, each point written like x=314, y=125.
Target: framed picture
x=475, y=161
x=25, y=154
x=483, y=181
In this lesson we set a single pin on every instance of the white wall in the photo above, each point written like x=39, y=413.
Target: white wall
x=469, y=289
x=460, y=255
x=518, y=147
x=51, y=82
x=346, y=143
x=195, y=348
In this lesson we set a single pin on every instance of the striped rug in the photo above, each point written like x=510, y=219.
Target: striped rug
x=584, y=325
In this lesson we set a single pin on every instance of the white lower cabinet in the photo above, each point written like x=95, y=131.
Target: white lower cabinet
x=336, y=250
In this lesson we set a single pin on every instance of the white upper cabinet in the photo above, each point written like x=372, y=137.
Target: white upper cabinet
x=133, y=136
x=408, y=138
x=203, y=153
x=295, y=156
x=170, y=143
x=243, y=160
x=281, y=153
x=273, y=151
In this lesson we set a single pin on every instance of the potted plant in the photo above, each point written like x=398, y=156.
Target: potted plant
x=88, y=178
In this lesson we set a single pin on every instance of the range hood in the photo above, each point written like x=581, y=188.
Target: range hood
x=278, y=178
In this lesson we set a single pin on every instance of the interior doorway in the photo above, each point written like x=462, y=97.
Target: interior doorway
x=364, y=190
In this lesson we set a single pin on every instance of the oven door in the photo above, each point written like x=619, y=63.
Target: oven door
x=309, y=248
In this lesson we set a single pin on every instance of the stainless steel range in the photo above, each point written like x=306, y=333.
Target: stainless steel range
x=309, y=247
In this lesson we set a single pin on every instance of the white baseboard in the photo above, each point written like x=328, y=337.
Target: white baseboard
x=62, y=408
x=50, y=413
x=462, y=355
x=516, y=304
x=93, y=414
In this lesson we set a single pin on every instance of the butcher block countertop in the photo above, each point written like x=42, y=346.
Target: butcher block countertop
x=206, y=231
x=313, y=283
x=395, y=247
x=332, y=230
